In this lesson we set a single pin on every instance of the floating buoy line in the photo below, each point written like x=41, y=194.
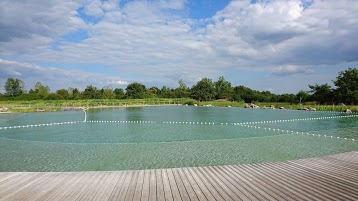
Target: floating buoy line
x=251, y=125
x=301, y=119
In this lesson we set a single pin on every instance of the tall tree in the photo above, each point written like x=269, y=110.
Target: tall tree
x=347, y=86
x=107, y=93
x=246, y=94
x=64, y=93
x=182, y=91
x=119, y=92
x=91, y=92
x=135, y=91
x=223, y=89
x=75, y=94
x=322, y=93
x=166, y=92
x=203, y=90
x=302, y=96
x=152, y=92
x=41, y=90
x=14, y=87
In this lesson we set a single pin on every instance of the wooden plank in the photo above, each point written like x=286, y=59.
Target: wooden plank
x=194, y=185
x=97, y=187
x=232, y=192
x=112, y=195
x=288, y=187
x=153, y=186
x=23, y=187
x=274, y=184
x=132, y=186
x=66, y=188
x=257, y=184
x=106, y=189
x=244, y=192
x=250, y=186
x=112, y=181
x=139, y=186
x=146, y=186
x=79, y=187
x=90, y=189
x=205, y=185
x=51, y=186
x=182, y=191
x=186, y=184
x=120, y=190
x=8, y=176
x=160, y=187
x=208, y=195
x=344, y=173
x=16, y=182
x=327, y=183
x=217, y=185
x=173, y=185
x=227, y=183
x=166, y=186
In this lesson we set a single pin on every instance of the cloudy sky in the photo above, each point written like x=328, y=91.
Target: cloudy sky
x=277, y=45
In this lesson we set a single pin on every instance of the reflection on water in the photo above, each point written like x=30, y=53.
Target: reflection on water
x=142, y=138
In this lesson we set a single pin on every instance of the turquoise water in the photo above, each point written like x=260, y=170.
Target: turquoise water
x=164, y=137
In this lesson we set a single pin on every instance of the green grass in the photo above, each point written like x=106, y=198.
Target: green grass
x=221, y=103
x=59, y=105
x=338, y=108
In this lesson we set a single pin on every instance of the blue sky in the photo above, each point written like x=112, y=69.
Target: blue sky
x=275, y=45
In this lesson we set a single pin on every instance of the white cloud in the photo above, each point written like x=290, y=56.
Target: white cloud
x=290, y=70
x=94, y=8
x=121, y=82
x=172, y=4
x=56, y=78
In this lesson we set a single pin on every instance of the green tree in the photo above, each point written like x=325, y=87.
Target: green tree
x=236, y=94
x=288, y=98
x=41, y=90
x=119, y=92
x=14, y=87
x=223, y=89
x=64, y=93
x=302, y=96
x=151, y=92
x=347, y=86
x=107, y=93
x=321, y=93
x=182, y=91
x=246, y=94
x=91, y=92
x=204, y=90
x=135, y=91
x=74, y=93
x=167, y=92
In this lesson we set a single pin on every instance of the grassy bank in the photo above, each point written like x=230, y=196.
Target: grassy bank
x=60, y=105
x=337, y=108
x=56, y=105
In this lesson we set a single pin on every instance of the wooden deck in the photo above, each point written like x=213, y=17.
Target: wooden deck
x=327, y=178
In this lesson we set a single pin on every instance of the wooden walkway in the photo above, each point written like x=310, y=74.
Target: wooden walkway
x=327, y=178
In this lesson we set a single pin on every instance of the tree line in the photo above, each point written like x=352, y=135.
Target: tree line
x=345, y=91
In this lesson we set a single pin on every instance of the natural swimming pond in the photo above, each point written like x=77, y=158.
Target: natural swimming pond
x=165, y=137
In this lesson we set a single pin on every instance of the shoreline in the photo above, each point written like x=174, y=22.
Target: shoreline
x=80, y=108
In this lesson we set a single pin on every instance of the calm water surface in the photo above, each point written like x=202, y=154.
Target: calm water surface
x=163, y=137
